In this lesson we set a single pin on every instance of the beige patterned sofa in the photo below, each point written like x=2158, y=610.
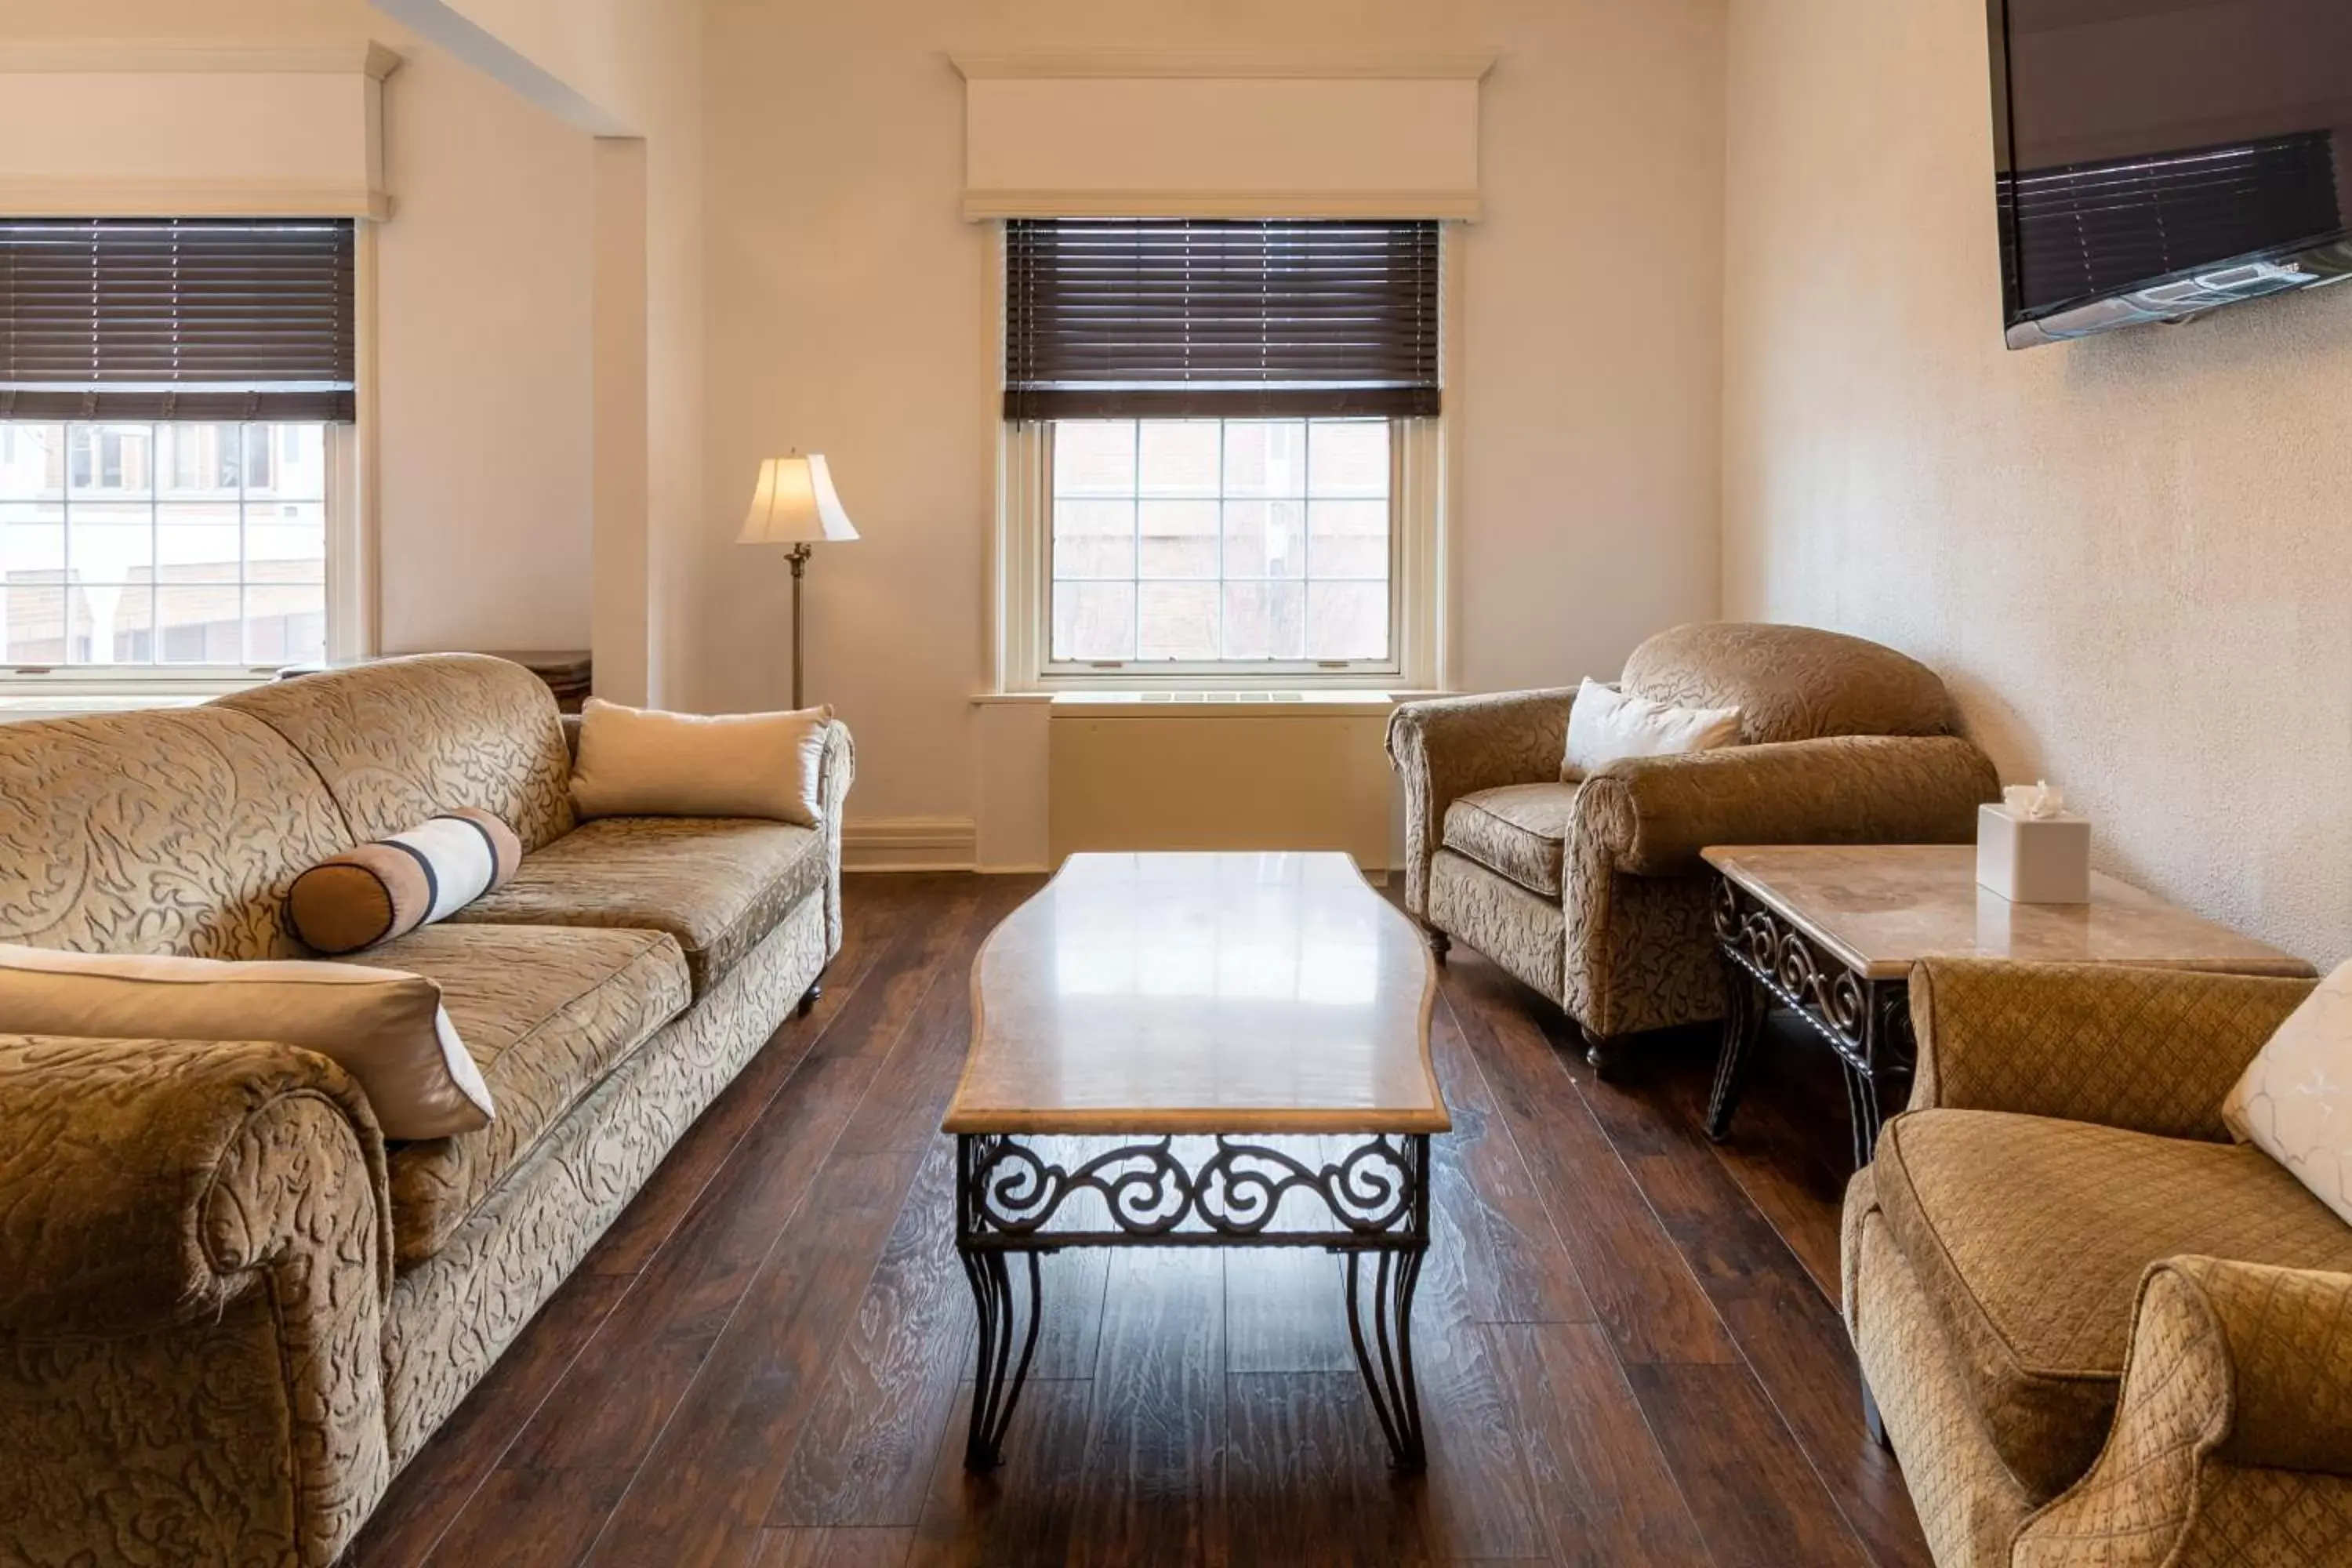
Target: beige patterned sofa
x=2101, y=1335
x=1593, y=892
x=229, y=1312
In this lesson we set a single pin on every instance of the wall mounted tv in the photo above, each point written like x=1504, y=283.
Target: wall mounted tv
x=2157, y=159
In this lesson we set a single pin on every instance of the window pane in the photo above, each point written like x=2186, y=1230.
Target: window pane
x=199, y=624
x=1349, y=457
x=1265, y=620
x=1094, y=539
x=1266, y=457
x=105, y=619
x=1347, y=620
x=1094, y=620
x=1093, y=457
x=1178, y=457
x=285, y=624
x=1347, y=538
x=197, y=542
x=109, y=542
x=104, y=460
x=32, y=461
x=198, y=461
x=1265, y=538
x=1179, y=540
x=285, y=543
x=33, y=624
x=32, y=540
x=1176, y=620
x=285, y=462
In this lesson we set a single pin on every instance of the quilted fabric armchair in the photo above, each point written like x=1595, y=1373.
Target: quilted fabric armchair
x=1592, y=890
x=2099, y=1333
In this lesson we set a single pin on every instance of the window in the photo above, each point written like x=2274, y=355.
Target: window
x=175, y=400
x=1220, y=438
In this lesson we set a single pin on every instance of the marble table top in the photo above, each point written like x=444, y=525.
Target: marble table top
x=1203, y=993
x=1880, y=908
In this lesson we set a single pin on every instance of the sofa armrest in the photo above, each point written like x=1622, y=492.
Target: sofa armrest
x=835, y=773
x=1453, y=746
x=145, y=1182
x=2235, y=1422
x=2152, y=1050
x=1656, y=814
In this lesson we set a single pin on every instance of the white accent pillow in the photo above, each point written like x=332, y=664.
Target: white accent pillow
x=638, y=761
x=1605, y=726
x=2294, y=1101
x=385, y=1028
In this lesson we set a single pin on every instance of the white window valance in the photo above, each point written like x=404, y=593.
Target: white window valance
x=1160, y=135
x=114, y=130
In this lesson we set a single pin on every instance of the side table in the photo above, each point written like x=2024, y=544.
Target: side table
x=1830, y=932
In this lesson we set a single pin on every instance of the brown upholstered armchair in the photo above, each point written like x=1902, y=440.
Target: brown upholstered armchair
x=1592, y=890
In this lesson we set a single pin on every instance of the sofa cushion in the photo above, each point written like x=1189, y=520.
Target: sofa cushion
x=547, y=1014
x=718, y=885
x=1517, y=830
x=2029, y=1236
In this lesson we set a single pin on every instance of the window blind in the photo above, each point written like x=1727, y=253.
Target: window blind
x=176, y=319
x=1127, y=317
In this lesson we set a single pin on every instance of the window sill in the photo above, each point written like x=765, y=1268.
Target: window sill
x=1309, y=703
x=71, y=695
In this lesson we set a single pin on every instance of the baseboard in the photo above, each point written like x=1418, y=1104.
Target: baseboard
x=908, y=844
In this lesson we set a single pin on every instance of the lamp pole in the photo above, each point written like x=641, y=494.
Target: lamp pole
x=798, y=556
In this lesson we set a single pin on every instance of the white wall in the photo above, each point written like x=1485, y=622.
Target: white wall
x=2128, y=555
x=851, y=312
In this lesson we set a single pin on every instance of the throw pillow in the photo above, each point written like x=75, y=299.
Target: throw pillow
x=378, y=891
x=636, y=761
x=386, y=1029
x=2294, y=1101
x=1605, y=725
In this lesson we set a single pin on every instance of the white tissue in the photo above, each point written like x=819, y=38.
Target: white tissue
x=2034, y=803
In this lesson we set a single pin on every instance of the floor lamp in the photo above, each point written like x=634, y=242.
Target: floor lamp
x=795, y=504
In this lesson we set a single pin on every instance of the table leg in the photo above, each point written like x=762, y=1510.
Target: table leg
x=996, y=1383
x=1387, y=1359
x=1744, y=1008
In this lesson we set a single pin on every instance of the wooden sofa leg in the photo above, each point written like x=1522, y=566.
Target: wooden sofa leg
x=807, y=1003
x=1873, y=1422
x=1439, y=944
x=1600, y=1053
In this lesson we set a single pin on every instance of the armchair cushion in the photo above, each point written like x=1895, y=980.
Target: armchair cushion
x=1518, y=830
x=2029, y=1237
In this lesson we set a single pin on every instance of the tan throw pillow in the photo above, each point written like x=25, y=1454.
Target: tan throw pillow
x=1606, y=726
x=386, y=1029
x=636, y=761
x=2294, y=1101
x=377, y=891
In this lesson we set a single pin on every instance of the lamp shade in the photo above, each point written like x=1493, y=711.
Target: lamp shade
x=794, y=503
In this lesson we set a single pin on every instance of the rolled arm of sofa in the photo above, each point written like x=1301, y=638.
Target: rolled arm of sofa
x=835, y=773
x=1656, y=814
x=2235, y=1419
x=1451, y=746
x=2152, y=1050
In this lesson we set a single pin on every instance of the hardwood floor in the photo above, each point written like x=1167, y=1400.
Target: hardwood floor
x=1628, y=1348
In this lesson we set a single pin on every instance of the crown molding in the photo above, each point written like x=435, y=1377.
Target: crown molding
x=1213, y=65
x=114, y=57
x=33, y=196
x=1459, y=206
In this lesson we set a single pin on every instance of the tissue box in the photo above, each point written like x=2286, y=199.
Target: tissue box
x=2030, y=862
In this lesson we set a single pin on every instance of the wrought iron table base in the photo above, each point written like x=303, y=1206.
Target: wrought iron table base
x=1867, y=1022
x=1375, y=1198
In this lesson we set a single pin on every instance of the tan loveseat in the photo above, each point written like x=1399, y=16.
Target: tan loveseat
x=229, y=1312
x=1593, y=892
x=2100, y=1334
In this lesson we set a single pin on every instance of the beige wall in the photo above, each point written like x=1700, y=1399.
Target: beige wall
x=851, y=312
x=2129, y=555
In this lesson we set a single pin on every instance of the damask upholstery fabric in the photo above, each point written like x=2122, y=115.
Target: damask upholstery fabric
x=1523, y=932
x=453, y=1314
x=1791, y=683
x=547, y=1013
x=168, y=831
x=1517, y=830
x=405, y=739
x=1453, y=746
x=1641, y=950
x=2151, y=1049
x=2029, y=1236
x=191, y=1323
x=718, y=886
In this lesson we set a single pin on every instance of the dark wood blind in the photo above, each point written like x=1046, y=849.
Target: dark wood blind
x=2086, y=230
x=176, y=319
x=1122, y=318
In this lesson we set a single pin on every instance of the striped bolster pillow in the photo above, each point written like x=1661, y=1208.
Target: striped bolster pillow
x=378, y=891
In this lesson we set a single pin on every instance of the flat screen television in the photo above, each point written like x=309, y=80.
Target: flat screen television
x=2157, y=159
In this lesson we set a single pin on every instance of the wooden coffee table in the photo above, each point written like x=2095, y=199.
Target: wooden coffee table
x=1832, y=930
x=1199, y=1050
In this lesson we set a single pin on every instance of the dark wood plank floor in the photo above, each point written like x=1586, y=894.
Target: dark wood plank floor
x=1628, y=1348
